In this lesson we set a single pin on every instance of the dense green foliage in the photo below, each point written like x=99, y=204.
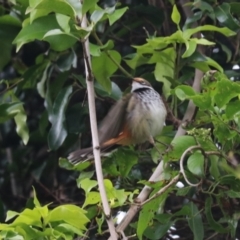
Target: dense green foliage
x=44, y=115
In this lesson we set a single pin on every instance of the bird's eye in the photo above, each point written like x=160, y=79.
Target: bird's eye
x=143, y=83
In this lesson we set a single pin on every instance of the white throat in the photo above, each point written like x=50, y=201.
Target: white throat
x=137, y=85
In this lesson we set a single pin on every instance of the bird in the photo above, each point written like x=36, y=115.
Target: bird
x=135, y=119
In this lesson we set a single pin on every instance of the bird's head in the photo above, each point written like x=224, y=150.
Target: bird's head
x=140, y=83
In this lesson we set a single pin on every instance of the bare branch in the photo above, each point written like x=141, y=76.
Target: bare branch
x=93, y=122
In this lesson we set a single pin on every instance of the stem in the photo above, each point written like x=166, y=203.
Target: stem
x=94, y=131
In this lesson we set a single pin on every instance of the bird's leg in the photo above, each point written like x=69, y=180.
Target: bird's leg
x=151, y=140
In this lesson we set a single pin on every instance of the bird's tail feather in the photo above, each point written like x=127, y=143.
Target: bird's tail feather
x=86, y=154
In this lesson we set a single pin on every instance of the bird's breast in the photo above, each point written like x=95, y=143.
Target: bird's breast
x=146, y=115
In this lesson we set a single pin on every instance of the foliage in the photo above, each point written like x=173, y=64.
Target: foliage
x=44, y=115
x=62, y=222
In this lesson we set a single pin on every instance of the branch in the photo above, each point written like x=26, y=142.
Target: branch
x=94, y=131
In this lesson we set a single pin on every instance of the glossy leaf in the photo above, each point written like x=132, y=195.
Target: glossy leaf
x=58, y=131
x=9, y=110
x=212, y=223
x=87, y=185
x=36, y=30
x=87, y=5
x=104, y=67
x=21, y=122
x=195, y=164
x=184, y=92
x=195, y=222
x=176, y=17
x=57, y=6
x=71, y=214
x=225, y=31
x=191, y=46
x=116, y=15
x=164, y=68
x=223, y=15
x=92, y=198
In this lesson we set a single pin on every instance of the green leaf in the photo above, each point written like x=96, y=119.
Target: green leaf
x=125, y=160
x=36, y=30
x=10, y=26
x=232, y=108
x=87, y=5
x=64, y=227
x=179, y=145
x=28, y=216
x=226, y=50
x=203, y=41
x=223, y=15
x=214, y=167
x=21, y=122
x=57, y=6
x=92, y=198
x=58, y=131
x=235, y=7
x=195, y=164
x=115, y=94
x=191, y=46
x=146, y=215
x=232, y=194
x=226, y=90
x=184, y=92
x=176, y=17
x=71, y=214
x=66, y=60
x=10, y=215
x=87, y=185
x=58, y=40
x=63, y=22
x=203, y=101
x=97, y=15
x=104, y=67
x=41, y=85
x=183, y=191
x=35, y=200
x=212, y=223
x=214, y=64
x=225, y=31
x=164, y=68
x=157, y=231
x=77, y=6
x=195, y=222
x=9, y=110
x=116, y=15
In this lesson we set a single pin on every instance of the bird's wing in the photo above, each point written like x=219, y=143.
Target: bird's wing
x=113, y=123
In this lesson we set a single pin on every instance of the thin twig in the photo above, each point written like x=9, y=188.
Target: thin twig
x=182, y=168
x=162, y=190
x=94, y=131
